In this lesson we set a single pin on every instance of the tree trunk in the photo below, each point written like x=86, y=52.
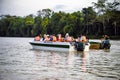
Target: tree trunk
x=103, y=26
x=115, y=28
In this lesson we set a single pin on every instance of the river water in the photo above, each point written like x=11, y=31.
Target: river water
x=18, y=61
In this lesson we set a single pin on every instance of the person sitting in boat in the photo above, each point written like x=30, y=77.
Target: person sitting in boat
x=82, y=38
x=51, y=37
x=46, y=38
x=68, y=38
x=63, y=38
x=103, y=38
x=80, y=43
x=106, y=43
x=59, y=38
x=37, y=38
x=54, y=38
x=78, y=39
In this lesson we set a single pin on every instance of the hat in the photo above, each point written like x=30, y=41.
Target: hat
x=47, y=35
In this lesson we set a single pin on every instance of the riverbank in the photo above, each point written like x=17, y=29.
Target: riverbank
x=89, y=37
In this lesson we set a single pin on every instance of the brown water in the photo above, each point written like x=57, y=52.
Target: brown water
x=18, y=61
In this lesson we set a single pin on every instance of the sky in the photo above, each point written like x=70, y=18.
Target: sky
x=26, y=7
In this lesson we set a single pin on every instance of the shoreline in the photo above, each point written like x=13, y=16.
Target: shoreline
x=89, y=37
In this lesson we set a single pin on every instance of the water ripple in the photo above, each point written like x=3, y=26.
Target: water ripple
x=18, y=61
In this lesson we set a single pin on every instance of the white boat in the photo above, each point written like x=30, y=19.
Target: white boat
x=56, y=46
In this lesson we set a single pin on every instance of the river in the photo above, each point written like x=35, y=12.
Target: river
x=18, y=61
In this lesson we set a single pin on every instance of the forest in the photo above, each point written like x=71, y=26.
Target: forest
x=94, y=21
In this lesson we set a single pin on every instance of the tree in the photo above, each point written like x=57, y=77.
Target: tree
x=29, y=21
x=112, y=13
x=57, y=22
x=46, y=13
x=37, y=27
x=105, y=11
x=89, y=18
x=100, y=6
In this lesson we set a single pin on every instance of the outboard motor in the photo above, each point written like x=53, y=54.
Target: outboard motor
x=79, y=46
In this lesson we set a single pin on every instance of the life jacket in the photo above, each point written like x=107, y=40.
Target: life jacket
x=54, y=39
x=84, y=39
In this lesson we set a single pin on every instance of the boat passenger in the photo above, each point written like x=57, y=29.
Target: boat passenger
x=81, y=42
x=59, y=38
x=44, y=36
x=82, y=38
x=103, y=39
x=51, y=37
x=47, y=38
x=37, y=38
x=106, y=43
x=63, y=38
x=79, y=39
x=67, y=37
x=71, y=39
x=54, y=38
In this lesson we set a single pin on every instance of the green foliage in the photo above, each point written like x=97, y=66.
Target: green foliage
x=88, y=21
x=67, y=29
x=29, y=20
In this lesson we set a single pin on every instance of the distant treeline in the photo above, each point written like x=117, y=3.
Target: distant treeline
x=102, y=18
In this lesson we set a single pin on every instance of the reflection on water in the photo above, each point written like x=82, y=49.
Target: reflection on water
x=67, y=66
x=19, y=62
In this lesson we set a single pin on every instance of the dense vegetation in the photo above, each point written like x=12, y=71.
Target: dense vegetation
x=102, y=18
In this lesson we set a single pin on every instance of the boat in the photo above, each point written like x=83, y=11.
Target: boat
x=99, y=45
x=59, y=46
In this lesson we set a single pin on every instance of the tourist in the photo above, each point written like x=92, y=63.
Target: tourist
x=106, y=42
x=82, y=38
x=54, y=38
x=47, y=38
x=59, y=38
x=37, y=38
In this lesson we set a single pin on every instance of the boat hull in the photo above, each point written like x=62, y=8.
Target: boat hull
x=98, y=45
x=56, y=46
